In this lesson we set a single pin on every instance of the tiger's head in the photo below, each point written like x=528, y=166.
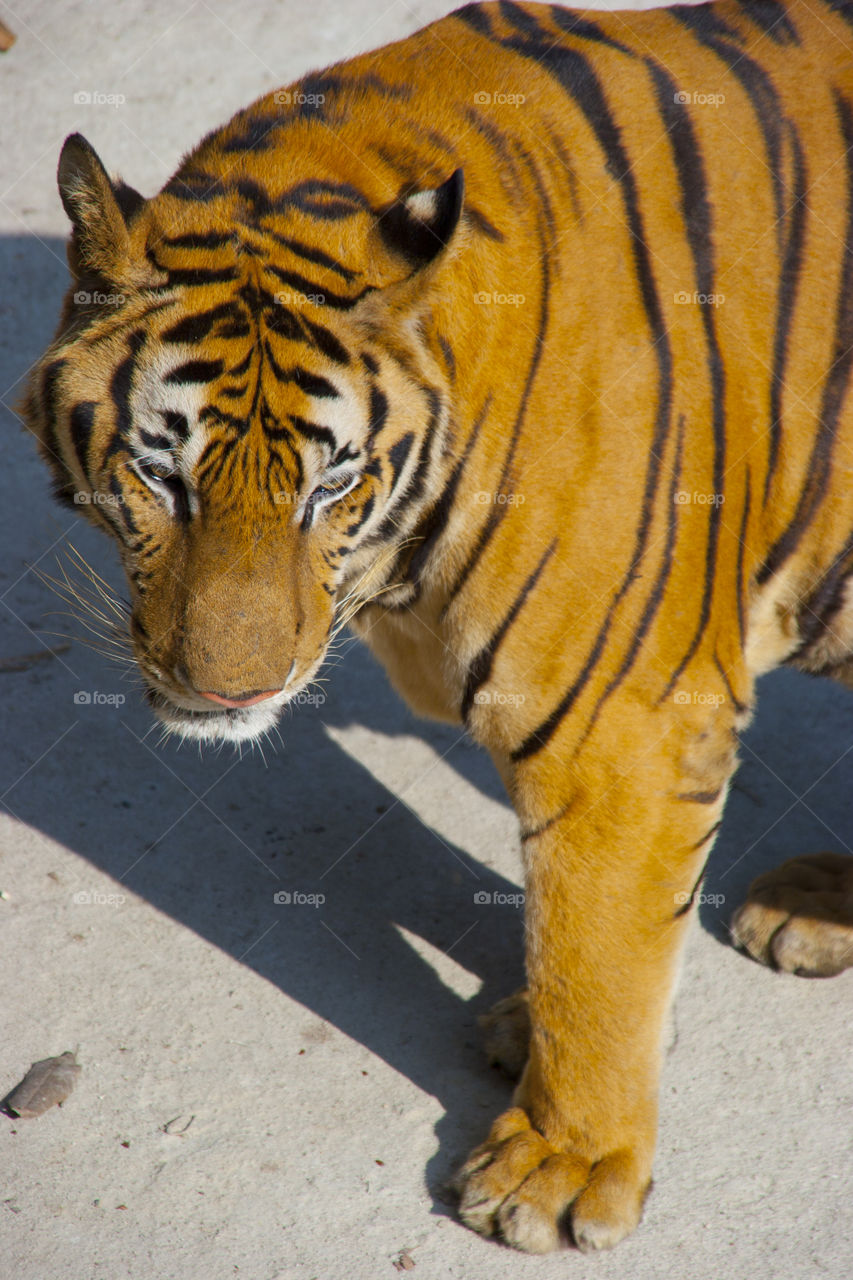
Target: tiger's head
x=241, y=395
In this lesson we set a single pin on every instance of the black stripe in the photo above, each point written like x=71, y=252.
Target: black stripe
x=788, y=286
x=815, y=615
x=480, y=668
x=712, y=831
x=483, y=224
x=476, y=18
x=771, y=17
x=195, y=187
x=418, y=481
x=49, y=388
x=398, y=455
x=685, y=907
x=312, y=384
x=311, y=254
x=378, y=411
x=738, y=706
x=190, y=276
x=313, y=431
x=843, y=8
x=499, y=510
x=327, y=201
x=700, y=797
x=740, y=586
x=436, y=522
x=153, y=441
x=81, y=422
x=326, y=341
x=817, y=473
x=578, y=78
x=712, y=31
x=449, y=358
x=120, y=388
x=696, y=215
x=657, y=592
x=195, y=328
x=120, y=507
x=310, y=288
x=197, y=371
x=252, y=132
x=199, y=240
x=176, y=422
x=575, y=25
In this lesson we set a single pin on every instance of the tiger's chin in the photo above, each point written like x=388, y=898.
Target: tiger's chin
x=237, y=725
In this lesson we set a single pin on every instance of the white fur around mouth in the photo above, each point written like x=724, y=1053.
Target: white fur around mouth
x=240, y=724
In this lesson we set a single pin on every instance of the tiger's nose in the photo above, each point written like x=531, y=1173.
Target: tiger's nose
x=244, y=700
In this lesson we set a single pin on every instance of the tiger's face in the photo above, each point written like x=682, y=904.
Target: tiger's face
x=244, y=441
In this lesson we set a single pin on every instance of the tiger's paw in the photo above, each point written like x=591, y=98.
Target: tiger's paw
x=799, y=917
x=506, y=1034
x=517, y=1186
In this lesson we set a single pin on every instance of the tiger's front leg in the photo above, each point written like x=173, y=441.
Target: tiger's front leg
x=609, y=882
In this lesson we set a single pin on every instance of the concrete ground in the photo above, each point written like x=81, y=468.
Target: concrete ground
x=276, y=1091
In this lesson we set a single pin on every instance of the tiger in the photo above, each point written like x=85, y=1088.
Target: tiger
x=524, y=345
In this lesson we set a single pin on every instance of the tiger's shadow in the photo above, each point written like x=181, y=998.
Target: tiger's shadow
x=318, y=822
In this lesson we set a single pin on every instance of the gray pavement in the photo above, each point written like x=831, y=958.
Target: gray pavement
x=326, y=1054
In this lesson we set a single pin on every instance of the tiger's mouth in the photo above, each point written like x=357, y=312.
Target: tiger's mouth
x=219, y=724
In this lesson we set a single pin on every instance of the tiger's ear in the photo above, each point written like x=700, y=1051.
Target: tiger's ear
x=99, y=209
x=419, y=225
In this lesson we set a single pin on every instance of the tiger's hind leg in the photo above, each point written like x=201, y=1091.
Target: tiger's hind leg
x=799, y=917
